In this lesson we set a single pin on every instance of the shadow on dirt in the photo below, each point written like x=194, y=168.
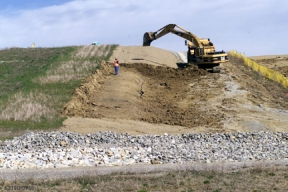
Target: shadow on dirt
x=182, y=65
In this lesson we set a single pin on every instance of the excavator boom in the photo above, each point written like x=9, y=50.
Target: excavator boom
x=151, y=36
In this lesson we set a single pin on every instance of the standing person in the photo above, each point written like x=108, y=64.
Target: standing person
x=116, y=66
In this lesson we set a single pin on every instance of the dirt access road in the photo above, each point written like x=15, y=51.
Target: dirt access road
x=153, y=96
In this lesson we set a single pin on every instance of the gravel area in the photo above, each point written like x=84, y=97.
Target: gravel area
x=66, y=149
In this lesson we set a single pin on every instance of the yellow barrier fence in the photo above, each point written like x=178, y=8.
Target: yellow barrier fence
x=269, y=73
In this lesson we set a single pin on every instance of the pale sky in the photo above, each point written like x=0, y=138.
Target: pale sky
x=252, y=27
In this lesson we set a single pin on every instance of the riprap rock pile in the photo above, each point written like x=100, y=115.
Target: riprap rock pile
x=66, y=149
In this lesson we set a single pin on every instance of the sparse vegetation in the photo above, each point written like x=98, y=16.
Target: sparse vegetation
x=245, y=180
x=37, y=82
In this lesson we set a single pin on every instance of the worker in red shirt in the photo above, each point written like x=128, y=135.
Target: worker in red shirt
x=116, y=66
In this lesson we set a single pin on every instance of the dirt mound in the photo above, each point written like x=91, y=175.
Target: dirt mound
x=149, y=55
x=150, y=97
x=164, y=92
x=153, y=94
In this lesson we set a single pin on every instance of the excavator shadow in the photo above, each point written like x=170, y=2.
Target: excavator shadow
x=182, y=65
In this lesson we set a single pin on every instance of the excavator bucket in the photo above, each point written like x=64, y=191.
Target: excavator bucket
x=148, y=38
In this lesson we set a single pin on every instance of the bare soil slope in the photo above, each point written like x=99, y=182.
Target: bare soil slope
x=149, y=55
x=149, y=97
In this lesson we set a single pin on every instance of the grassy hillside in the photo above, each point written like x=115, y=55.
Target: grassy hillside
x=36, y=82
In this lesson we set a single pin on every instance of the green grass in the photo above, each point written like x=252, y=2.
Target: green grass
x=35, y=83
x=20, y=66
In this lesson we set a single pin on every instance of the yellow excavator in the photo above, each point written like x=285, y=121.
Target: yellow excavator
x=201, y=51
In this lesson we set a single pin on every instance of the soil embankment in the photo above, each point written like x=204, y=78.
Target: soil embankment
x=149, y=97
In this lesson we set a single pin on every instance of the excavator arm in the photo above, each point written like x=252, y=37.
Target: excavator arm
x=151, y=36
